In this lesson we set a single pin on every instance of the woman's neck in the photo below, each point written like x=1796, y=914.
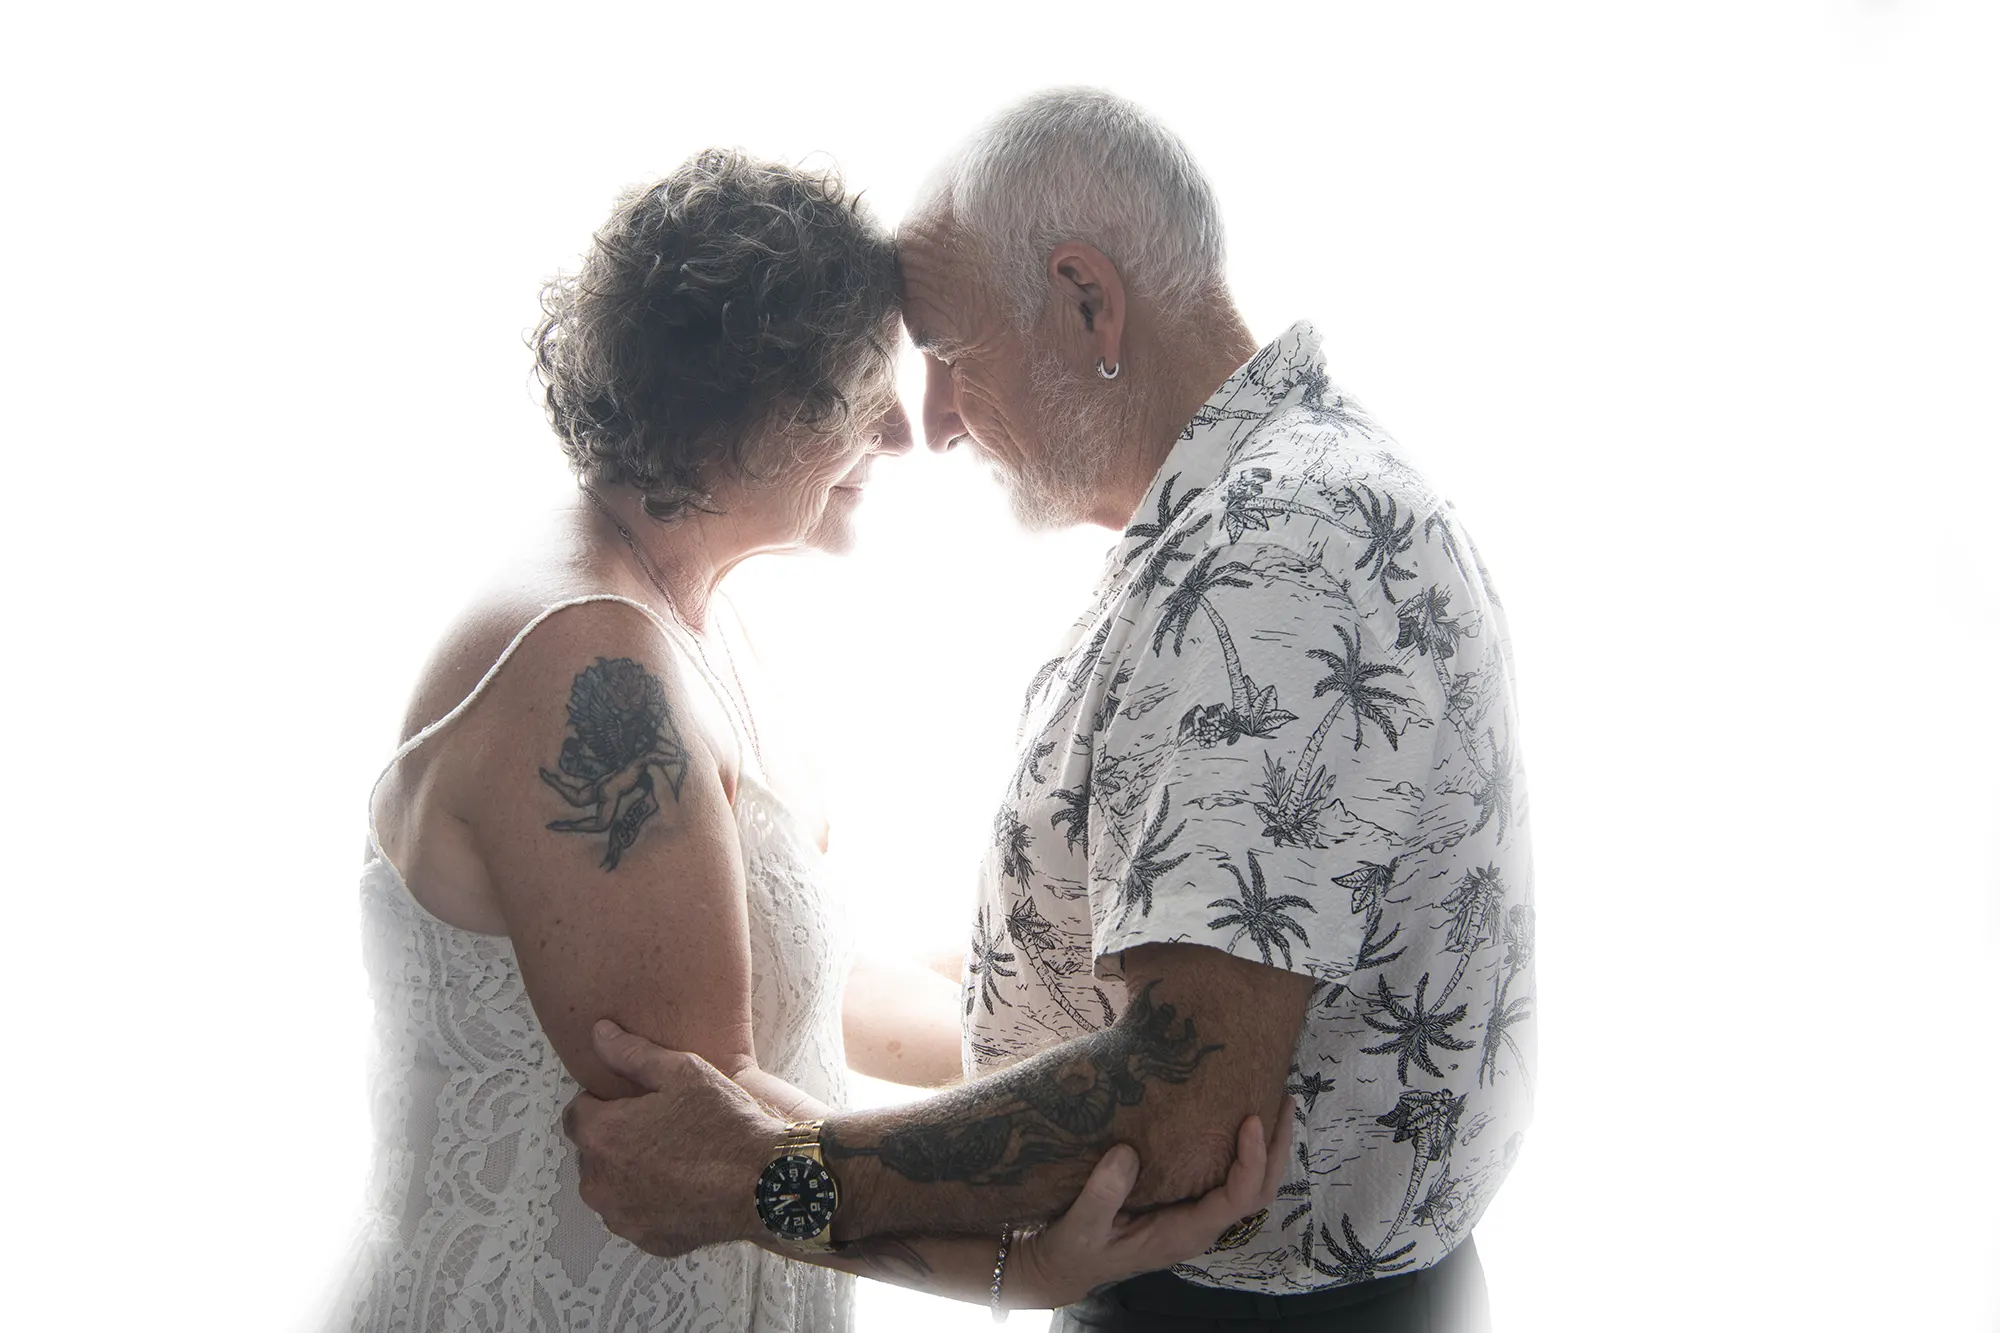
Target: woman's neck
x=679, y=563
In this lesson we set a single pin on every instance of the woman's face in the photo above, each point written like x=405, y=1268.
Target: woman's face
x=888, y=434
x=811, y=498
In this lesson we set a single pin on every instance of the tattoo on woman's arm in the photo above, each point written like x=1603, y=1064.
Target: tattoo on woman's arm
x=621, y=748
x=1056, y=1107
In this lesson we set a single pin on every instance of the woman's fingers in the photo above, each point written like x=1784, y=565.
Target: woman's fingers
x=1094, y=1242
x=1183, y=1231
x=1236, y=1196
x=1279, y=1159
x=1246, y=1175
x=1095, y=1211
x=1260, y=1166
x=1069, y=1256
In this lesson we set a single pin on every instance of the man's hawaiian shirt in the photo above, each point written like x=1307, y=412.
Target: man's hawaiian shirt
x=1285, y=729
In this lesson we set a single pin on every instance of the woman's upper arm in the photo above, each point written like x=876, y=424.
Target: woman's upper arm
x=901, y=1022
x=611, y=844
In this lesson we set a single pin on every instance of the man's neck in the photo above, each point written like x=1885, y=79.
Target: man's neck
x=1191, y=369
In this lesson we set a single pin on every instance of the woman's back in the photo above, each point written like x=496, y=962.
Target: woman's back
x=474, y=1218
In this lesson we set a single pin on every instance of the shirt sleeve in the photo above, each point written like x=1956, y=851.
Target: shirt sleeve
x=1259, y=767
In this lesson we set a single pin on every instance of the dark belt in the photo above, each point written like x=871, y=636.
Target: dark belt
x=1163, y=1293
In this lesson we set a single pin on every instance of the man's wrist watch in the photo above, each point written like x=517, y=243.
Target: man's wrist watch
x=796, y=1194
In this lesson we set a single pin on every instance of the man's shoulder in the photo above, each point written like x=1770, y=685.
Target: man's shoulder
x=1310, y=493
x=1332, y=452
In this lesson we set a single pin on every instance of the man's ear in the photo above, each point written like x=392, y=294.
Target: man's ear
x=1091, y=297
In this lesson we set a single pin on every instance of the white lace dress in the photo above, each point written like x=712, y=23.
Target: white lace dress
x=474, y=1222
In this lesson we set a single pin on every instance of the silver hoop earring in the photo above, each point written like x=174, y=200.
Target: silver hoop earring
x=1110, y=374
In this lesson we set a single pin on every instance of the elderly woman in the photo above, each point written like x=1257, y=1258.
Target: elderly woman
x=584, y=821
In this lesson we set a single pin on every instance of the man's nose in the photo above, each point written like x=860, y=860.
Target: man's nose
x=942, y=426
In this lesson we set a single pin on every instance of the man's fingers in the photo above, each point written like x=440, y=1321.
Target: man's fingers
x=580, y=1106
x=631, y=1056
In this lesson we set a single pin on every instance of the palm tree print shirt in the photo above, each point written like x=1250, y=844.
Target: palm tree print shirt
x=1285, y=729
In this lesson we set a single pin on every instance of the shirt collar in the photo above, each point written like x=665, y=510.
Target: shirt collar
x=1290, y=369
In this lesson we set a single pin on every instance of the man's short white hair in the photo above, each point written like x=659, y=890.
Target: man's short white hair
x=1080, y=164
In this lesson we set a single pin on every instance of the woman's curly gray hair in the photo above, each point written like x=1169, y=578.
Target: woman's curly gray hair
x=734, y=298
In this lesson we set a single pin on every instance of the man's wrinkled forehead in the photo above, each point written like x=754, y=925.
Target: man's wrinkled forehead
x=936, y=283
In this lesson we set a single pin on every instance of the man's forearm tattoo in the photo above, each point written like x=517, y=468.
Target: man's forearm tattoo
x=1055, y=1107
x=622, y=746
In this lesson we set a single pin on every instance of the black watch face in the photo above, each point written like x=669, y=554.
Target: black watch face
x=795, y=1197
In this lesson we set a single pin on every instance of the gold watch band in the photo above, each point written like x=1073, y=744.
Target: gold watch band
x=801, y=1137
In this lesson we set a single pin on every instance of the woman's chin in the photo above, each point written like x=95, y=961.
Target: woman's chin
x=834, y=533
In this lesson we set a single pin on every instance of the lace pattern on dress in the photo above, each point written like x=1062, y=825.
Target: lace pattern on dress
x=473, y=1219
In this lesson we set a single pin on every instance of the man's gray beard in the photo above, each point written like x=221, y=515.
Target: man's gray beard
x=1078, y=421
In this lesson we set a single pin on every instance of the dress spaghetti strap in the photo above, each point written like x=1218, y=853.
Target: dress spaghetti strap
x=667, y=630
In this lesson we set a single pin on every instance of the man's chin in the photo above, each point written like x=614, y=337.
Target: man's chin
x=1042, y=509
x=1036, y=503
x=1033, y=513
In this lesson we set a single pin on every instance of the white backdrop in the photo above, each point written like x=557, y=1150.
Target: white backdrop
x=1690, y=307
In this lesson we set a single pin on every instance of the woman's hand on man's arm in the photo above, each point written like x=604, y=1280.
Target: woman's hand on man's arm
x=1094, y=1242
x=1205, y=1041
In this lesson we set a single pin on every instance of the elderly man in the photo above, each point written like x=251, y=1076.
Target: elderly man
x=1267, y=830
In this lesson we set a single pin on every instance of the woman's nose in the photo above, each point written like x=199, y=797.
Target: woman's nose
x=895, y=435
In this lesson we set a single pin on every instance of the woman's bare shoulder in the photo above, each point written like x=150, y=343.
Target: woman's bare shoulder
x=474, y=638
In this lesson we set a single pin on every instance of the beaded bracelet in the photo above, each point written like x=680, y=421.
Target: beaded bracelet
x=1000, y=1267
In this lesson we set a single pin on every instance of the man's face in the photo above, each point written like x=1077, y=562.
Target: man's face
x=1007, y=391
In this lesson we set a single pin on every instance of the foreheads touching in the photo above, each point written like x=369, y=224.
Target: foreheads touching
x=1069, y=229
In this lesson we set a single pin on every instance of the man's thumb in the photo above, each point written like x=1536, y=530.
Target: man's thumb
x=629, y=1055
